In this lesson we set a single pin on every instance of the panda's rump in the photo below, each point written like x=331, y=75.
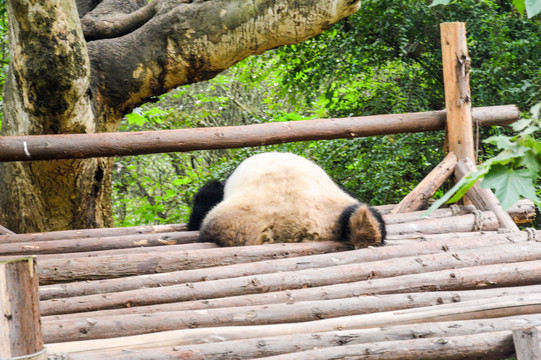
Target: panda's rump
x=276, y=197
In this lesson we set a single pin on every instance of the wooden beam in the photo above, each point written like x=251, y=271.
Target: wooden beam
x=20, y=325
x=426, y=188
x=78, y=146
x=48, y=292
x=5, y=231
x=97, y=244
x=89, y=328
x=485, y=199
x=390, y=272
x=90, y=233
x=110, y=266
x=456, y=72
x=218, y=338
x=527, y=343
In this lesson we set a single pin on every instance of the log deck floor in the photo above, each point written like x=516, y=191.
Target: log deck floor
x=449, y=286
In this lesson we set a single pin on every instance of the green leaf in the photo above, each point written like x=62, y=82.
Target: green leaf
x=520, y=124
x=136, y=119
x=169, y=194
x=533, y=7
x=181, y=181
x=536, y=111
x=510, y=185
x=501, y=141
x=440, y=2
x=520, y=5
x=458, y=190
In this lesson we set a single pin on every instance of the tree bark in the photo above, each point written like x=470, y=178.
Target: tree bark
x=528, y=343
x=60, y=82
x=389, y=272
x=20, y=325
x=267, y=344
x=102, y=267
x=104, y=232
x=88, y=328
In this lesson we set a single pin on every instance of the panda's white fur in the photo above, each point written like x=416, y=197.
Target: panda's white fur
x=282, y=197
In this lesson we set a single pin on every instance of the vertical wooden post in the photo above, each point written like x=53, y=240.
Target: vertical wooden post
x=456, y=71
x=527, y=343
x=20, y=324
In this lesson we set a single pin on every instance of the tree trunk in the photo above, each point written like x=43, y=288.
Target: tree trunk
x=46, y=93
x=81, y=75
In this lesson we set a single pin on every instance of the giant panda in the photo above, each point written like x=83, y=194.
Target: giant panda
x=281, y=197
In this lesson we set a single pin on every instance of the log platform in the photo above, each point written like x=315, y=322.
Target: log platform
x=449, y=285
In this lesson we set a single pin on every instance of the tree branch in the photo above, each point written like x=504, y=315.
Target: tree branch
x=189, y=42
x=114, y=18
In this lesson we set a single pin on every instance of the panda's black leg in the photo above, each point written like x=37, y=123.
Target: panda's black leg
x=206, y=198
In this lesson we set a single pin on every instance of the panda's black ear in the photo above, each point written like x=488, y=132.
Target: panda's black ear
x=367, y=227
x=206, y=198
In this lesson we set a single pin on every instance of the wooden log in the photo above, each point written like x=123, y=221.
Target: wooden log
x=124, y=252
x=302, y=310
x=5, y=231
x=522, y=212
x=485, y=221
x=520, y=274
x=270, y=266
x=103, y=267
x=90, y=233
x=20, y=327
x=485, y=199
x=487, y=346
x=59, y=331
x=311, y=278
x=428, y=186
x=276, y=345
x=269, y=343
x=527, y=343
x=96, y=244
x=456, y=74
x=77, y=146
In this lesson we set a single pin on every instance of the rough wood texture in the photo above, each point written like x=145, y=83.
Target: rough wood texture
x=103, y=267
x=527, y=343
x=389, y=269
x=164, y=249
x=5, y=231
x=61, y=331
x=485, y=346
x=213, y=346
x=20, y=326
x=302, y=310
x=77, y=146
x=90, y=233
x=270, y=266
x=522, y=212
x=426, y=188
x=456, y=72
x=484, y=221
x=485, y=198
x=519, y=274
x=96, y=244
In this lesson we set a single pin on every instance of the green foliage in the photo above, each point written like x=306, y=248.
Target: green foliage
x=532, y=7
x=513, y=173
x=384, y=59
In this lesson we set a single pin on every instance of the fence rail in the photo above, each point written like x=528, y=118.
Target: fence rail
x=79, y=146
